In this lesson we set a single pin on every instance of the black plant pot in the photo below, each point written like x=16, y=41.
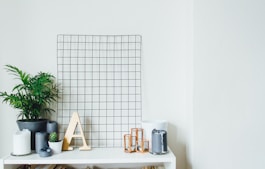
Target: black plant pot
x=33, y=126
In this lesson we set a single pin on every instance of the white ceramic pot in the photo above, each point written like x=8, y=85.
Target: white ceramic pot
x=56, y=146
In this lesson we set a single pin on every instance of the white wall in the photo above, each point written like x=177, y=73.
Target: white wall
x=229, y=84
x=28, y=39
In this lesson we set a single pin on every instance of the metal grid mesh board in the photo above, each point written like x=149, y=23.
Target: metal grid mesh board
x=100, y=76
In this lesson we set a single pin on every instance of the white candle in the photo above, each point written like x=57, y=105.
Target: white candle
x=21, y=142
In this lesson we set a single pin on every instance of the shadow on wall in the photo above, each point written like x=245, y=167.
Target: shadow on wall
x=178, y=146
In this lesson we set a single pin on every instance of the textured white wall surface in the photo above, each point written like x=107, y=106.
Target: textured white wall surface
x=229, y=84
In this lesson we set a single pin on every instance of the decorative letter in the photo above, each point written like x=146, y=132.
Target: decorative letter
x=74, y=122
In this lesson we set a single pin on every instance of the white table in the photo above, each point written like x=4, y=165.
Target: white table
x=101, y=157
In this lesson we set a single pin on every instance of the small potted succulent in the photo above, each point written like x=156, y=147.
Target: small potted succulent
x=54, y=143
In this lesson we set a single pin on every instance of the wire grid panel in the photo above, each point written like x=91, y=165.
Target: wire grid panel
x=101, y=80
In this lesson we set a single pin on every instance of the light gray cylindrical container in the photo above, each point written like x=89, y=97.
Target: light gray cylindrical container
x=41, y=140
x=52, y=126
x=159, y=142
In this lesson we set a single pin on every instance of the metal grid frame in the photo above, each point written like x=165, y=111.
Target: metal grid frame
x=101, y=80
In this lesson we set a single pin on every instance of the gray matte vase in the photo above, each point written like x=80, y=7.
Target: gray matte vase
x=41, y=141
x=52, y=126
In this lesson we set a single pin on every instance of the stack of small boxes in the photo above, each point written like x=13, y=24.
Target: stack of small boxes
x=135, y=142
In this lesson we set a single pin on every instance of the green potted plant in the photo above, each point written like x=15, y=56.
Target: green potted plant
x=54, y=143
x=33, y=96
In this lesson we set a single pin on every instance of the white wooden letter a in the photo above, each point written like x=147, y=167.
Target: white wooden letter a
x=69, y=134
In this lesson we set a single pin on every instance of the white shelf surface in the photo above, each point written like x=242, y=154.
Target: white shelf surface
x=96, y=157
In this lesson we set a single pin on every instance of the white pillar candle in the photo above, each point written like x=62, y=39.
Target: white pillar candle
x=21, y=142
x=149, y=125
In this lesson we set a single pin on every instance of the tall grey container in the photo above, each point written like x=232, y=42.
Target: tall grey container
x=52, y=126
x=41, y=141
x=159, y=142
